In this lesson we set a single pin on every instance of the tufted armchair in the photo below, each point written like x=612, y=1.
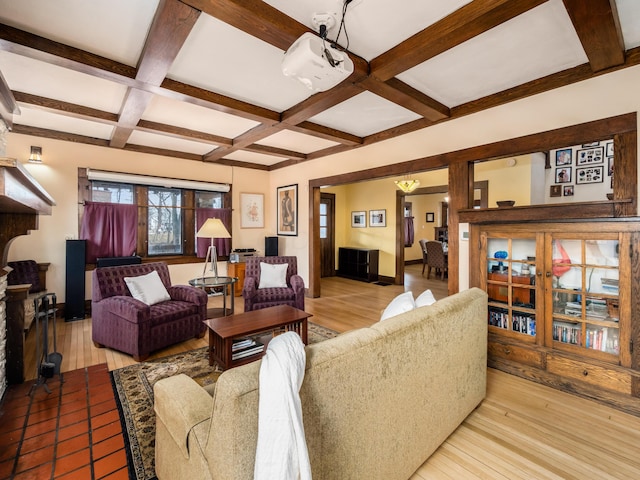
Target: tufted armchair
x=124, y=323
x=256, y=298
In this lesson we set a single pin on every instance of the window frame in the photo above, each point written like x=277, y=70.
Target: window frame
x=140, y=198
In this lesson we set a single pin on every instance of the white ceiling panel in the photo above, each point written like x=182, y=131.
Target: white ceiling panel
x=629, y=11
x=252, y=157
x=223, y=59
x=26, y=75
x=297, y=142
x=540, y=42
x=115, y=29
x=169, y=143
x=51, y=121
x=194, y=117
x=374, y=26
x=365, y=114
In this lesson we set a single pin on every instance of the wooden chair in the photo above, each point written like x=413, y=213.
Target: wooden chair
x=423, y=246
x=436, y=258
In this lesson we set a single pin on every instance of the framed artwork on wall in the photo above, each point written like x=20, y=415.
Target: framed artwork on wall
x=555, y=191
x=287, y=209
x=377, y=218
x=589, y=175
x=563, y=175
x=568, y=190
x=588, y=156
x=564, y=157
x=610, y=149
x=251, y=210
x=359, y=219
x=430, y=217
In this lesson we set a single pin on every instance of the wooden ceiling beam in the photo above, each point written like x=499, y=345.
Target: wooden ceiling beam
x=326, y=133
x=205, y=98
x=598, y=27
x=169, y=30
x=182, y=133
x=134, y=105
x=408, y=97
x=8, y=105
x=38, y=48
x=465, y=23
x=65, y=108
x=274, y=151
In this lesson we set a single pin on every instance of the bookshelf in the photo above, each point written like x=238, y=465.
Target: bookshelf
x=561, y=309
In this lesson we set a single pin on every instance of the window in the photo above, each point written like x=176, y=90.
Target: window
x=323, y=220
x=164, y=220
x=112, y=192
x=167, y=215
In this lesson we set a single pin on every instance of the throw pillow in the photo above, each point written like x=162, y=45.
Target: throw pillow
x=147, y=288
x=273, y=276
x=425, y=298
x=401, y=304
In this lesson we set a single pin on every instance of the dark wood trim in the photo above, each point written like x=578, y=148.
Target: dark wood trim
x=399, y=267
x=622, y=127
x=598, y=27
x=465, y=23
x=314, y=242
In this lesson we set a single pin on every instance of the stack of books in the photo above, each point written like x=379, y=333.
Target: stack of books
x=245, y=347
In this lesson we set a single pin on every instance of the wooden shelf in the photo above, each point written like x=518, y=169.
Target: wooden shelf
x=578, y=210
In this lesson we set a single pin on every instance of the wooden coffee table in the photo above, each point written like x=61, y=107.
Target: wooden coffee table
x=258, y=323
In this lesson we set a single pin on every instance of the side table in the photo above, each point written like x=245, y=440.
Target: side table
x=226, y=283
x=237, y=270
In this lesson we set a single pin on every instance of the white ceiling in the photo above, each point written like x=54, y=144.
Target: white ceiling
x=233, y=102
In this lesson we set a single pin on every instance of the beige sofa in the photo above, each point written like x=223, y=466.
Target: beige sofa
x=377, y=402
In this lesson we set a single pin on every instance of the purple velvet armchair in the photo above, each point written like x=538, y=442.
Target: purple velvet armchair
x=256, y=298
x=123, y=323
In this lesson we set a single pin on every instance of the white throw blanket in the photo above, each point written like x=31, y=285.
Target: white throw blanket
x=281, y=453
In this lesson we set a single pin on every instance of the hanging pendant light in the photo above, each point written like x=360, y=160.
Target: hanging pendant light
x=407, y=185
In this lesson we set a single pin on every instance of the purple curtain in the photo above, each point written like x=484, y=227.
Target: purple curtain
x=111, y=230
x=223, y=245
x=408, y=231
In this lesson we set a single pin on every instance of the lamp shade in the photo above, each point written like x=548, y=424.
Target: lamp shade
x=213, y=228
x=407, y=185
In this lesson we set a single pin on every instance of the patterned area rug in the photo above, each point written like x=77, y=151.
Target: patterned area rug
x=133, y=387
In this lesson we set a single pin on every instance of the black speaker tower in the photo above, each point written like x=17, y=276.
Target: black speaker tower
x=74, y=280
x=270, y=246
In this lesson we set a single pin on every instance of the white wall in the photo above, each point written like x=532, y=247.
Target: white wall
x=605, y=96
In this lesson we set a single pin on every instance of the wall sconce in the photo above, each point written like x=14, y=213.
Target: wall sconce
x=36, y=155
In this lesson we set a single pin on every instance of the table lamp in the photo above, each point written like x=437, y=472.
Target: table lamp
x=212, y=228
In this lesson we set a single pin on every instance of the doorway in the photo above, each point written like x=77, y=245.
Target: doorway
x=327, y=235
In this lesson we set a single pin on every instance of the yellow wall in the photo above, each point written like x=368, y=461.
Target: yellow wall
x=601, y=97
x=59, y=177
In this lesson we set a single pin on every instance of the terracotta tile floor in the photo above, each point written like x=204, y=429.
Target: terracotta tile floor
x=73, y=432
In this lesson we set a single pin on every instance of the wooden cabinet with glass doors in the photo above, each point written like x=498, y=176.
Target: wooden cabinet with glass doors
x=559, y=307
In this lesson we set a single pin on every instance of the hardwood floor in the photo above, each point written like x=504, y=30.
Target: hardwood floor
x=522, y=430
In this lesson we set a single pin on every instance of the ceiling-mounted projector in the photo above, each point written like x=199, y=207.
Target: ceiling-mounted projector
x=317, y=64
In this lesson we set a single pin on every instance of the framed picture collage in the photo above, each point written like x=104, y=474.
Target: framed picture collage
x=587, y=164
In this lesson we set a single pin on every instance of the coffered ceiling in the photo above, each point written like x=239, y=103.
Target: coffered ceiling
x=202, y=80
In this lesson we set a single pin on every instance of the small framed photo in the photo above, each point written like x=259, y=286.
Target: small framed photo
x=564, y=157
x=359, y=219
x=588, y=156
x=287, y=210
x=567, y=191
x=555, y=191
x=610, y=149
x=251, y=210
x=377, y=218
x=563, y=175
x=589, y=175
x=430, y=217
x=610, y=166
